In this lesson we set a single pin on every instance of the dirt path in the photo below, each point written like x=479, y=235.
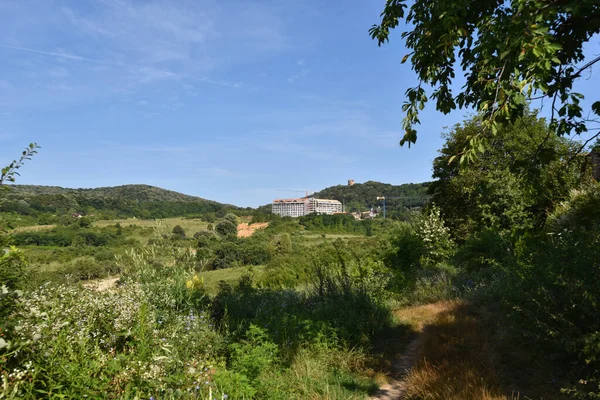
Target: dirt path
x=396, y=388
x=418, y=317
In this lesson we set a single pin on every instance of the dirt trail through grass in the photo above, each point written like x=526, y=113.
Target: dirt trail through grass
x=451, y=356
x=416, y=317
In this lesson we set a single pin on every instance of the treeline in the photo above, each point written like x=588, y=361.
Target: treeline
x=108, y=208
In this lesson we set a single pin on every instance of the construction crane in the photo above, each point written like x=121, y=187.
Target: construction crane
x=294, y=190
x=392, y=198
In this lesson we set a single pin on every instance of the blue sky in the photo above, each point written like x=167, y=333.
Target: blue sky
x=227, y=100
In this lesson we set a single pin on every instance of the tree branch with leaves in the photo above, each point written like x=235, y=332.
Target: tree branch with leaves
x=10, y=172
x=510, y=51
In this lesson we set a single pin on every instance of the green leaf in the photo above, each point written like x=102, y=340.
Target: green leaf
x=481, y=147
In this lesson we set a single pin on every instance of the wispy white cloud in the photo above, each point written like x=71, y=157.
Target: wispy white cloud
x=56, y=54
x=127, y=43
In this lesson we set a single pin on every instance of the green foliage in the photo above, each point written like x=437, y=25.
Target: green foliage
x=141, y=201
x=486, y=251
x=9, y=172
x=226, y=229
x=545, y=283
x=405, y=248
x=438, y=245
x=281, y=244
x=178, y=231
x=363, y=196
x=255, y=354
x=234, y=219
x=64, y=236
x=501, y=71
x=511, y=187
x=12, y=263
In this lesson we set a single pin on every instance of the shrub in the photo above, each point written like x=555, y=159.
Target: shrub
x=234, y=219
x=404, y=248
x=226, y=228
x=178, y=231
x=551, y=291
x=437, y=243
x=281, y=244
x=487, y=250
x=85, y=268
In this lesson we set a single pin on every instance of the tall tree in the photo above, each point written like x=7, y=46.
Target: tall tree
x=524, y=173
x=509, y=51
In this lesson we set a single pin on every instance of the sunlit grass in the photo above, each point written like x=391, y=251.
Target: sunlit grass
x=190, y=226
x=228, y=275
x=456, y=359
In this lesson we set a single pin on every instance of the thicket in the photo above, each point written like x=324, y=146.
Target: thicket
x=526, y=217
x=159, y=335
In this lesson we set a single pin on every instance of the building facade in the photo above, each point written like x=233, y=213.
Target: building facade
x=303, y=206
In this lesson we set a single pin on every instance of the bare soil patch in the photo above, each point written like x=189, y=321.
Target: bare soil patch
x=246, y=230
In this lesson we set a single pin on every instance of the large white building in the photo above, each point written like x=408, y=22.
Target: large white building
x=306, y=205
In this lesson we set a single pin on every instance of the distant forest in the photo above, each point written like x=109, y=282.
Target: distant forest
x=45, y=203
x=141, y=201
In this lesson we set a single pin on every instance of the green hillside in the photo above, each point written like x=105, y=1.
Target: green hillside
x=141, y=201
x=362, y=196
x=139, y=193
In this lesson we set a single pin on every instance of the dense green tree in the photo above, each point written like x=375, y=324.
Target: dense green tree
x=226, y=228
x=234, y=219
x=509, y=51
x=513, y=185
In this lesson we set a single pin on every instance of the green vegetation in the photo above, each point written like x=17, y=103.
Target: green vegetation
x=363, y=196
x=47, y=203
x=502, y=70
x=507, y=251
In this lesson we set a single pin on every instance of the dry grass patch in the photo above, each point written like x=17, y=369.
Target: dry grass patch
x=456, y=357
x=33, y=228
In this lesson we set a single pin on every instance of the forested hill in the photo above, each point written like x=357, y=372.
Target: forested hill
x=141, y=201
x=138, y=193
x=362, y=196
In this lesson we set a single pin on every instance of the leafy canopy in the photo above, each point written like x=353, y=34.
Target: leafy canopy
x=521, y=177
x=510, y=51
